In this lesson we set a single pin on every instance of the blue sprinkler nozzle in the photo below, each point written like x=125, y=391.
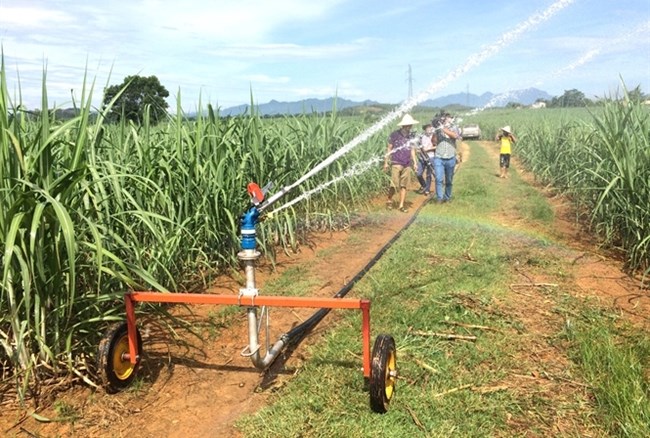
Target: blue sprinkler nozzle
x=248, y=222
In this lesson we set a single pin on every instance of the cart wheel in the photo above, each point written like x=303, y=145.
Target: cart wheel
x=383, y=374
x=115, y=371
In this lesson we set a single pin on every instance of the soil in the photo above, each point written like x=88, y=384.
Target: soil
x=200, y=385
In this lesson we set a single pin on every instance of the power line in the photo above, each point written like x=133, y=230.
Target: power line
x=410, y=82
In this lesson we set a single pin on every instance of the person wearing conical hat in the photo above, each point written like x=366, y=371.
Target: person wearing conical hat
x=400, y=158
x=507, y=139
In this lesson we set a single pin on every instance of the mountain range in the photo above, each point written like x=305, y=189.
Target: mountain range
x=307, y=106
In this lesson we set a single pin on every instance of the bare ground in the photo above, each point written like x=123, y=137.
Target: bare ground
x=199, y=386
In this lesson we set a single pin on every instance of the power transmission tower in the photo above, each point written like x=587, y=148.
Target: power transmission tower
x=410, y=81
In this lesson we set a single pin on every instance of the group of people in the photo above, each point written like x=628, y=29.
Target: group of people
x=432, y=155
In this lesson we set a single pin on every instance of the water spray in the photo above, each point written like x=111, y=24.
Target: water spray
x=579, y=62
x=473, y=61
x=355, y=170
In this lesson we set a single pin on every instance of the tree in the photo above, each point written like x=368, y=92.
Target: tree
x=636, y=95
x=138, y=93
x=570, y=98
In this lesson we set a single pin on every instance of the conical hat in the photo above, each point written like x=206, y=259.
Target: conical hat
x=407, y=120
x=507, y=129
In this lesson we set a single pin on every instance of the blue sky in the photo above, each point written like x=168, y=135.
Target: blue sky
x=295, y=49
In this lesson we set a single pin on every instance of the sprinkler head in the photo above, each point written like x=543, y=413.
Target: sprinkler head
x=256, y=193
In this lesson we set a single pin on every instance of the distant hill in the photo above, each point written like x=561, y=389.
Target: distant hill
x=307, y=106
x=526, y=97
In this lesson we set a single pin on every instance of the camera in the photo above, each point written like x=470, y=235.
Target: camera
x=415, y=142
x=438, y=121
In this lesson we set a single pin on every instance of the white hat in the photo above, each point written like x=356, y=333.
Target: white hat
x=407, y=120
x=507, y=129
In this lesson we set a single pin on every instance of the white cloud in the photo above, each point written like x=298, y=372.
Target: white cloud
x=228, y=22
x=288, y=50
x=33, y=17
x=265, y=79
x=343, y=89
x=313, y=91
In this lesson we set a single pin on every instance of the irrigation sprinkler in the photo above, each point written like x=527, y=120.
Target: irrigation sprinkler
x=120, y=350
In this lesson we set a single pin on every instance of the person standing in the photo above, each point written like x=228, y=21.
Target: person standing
x=426, y=152
x=507, y=139
x=400, y=155
x=444, y=161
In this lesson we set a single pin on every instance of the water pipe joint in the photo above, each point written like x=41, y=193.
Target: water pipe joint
x=251, y=292
x=248, y=223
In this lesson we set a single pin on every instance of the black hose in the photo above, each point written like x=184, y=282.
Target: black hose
x=298, y=332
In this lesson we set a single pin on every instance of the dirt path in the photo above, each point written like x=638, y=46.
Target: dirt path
x=595, y=274
x=200, y=386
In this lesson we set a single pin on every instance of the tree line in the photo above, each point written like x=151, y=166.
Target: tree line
x=139, y=97
x=576, y=98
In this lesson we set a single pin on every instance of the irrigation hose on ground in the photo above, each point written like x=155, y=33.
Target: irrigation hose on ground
x=297, y=333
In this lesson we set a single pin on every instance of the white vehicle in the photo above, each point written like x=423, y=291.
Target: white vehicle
x=471, y=131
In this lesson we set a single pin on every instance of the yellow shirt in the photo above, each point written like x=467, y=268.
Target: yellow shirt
x=505, y=145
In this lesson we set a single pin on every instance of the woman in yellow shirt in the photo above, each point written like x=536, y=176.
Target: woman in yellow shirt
x=507, y=140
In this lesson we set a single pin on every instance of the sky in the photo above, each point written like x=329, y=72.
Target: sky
x=222, y=52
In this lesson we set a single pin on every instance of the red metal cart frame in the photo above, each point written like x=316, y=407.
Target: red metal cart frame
x=247, y=301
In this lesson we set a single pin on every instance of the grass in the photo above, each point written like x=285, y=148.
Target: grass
x=65, y=412
x=91, y=210
x=615, y=362
x=604, y=168
x=220, y=318
x=451, y=270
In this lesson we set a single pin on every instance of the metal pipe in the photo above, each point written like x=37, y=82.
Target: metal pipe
x=253, y=326
x=275, y=197
x=248, y=255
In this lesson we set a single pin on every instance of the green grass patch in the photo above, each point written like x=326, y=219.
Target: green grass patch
x=614, y=361
x=452, y=272
x=449, y=271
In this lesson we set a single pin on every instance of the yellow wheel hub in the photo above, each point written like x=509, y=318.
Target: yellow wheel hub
x=122, y=368
x=391, y=375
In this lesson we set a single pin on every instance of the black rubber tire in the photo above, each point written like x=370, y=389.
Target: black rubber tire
x=115, y=372
x=383, y=373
